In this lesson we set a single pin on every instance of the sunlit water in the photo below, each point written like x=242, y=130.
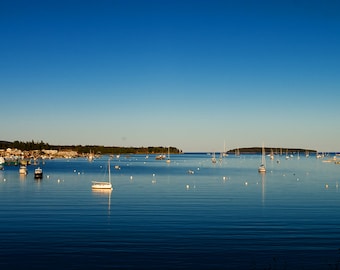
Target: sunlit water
x=158, y=216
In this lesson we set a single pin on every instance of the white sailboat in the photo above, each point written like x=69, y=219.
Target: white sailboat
x=271, y=154
x=91, y=156
x=168, y=159
x=221, y=157
x=262, y=168
x=225, y=154
x=213, y=159
x=103, y=185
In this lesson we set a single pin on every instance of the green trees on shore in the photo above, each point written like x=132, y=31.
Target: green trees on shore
x=25, y=146
x=32, y=145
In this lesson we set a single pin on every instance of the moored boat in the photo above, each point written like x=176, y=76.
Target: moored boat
x=160, y=157
x=2, y=163
x=103, y=185
x=213, y=159
x=23, y=170
x=168, y=159
x=262, y=167
x=38, y=173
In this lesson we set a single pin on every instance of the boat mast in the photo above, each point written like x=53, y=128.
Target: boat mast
x=109, y=171
x=263, y=155
x=168, y=160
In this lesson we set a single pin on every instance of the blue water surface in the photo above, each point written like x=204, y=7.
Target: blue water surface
x=159, y=216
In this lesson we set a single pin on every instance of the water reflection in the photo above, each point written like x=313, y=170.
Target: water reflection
x=221, y=223
x=22, y=177
x=263, y=184
x=106, y=193
x=2, y=177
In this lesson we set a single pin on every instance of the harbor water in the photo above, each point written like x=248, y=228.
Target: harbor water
x=186, y=214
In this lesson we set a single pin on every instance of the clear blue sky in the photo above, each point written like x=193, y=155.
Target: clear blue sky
x=189, y=74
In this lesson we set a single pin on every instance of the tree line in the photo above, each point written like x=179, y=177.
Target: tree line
x=96, y=149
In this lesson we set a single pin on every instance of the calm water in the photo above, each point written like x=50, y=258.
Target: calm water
x=224, y=216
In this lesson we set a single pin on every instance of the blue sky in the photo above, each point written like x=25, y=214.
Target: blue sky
x=189, y=74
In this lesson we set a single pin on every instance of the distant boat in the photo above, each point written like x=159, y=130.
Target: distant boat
x=225, y=154
x=2, y=163
x=262, y=168
x=221, y=157
x=213, y=159
x=168, y=160
x=23, y=170
x=38, y=173
x=287, y=156
x=318, y=155
x=103, y=185
x=160, y=157
x=90, y=156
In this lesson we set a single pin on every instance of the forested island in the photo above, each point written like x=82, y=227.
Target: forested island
x=269, y=150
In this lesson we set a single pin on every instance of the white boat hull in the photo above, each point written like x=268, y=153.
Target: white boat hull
x=23, y=170
x=101, y=185
x=262, y=169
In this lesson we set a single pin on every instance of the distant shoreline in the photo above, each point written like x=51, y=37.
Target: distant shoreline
x=100, y=149
x=87, y=149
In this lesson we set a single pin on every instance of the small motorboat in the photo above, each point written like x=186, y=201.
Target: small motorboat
x=23, y=170
x=38, y=173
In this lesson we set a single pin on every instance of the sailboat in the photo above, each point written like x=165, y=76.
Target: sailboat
x=213, y=159
x=168, y=160
x=225, y=154
x=91, y=156
x=103, y=185
x=262, y=168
